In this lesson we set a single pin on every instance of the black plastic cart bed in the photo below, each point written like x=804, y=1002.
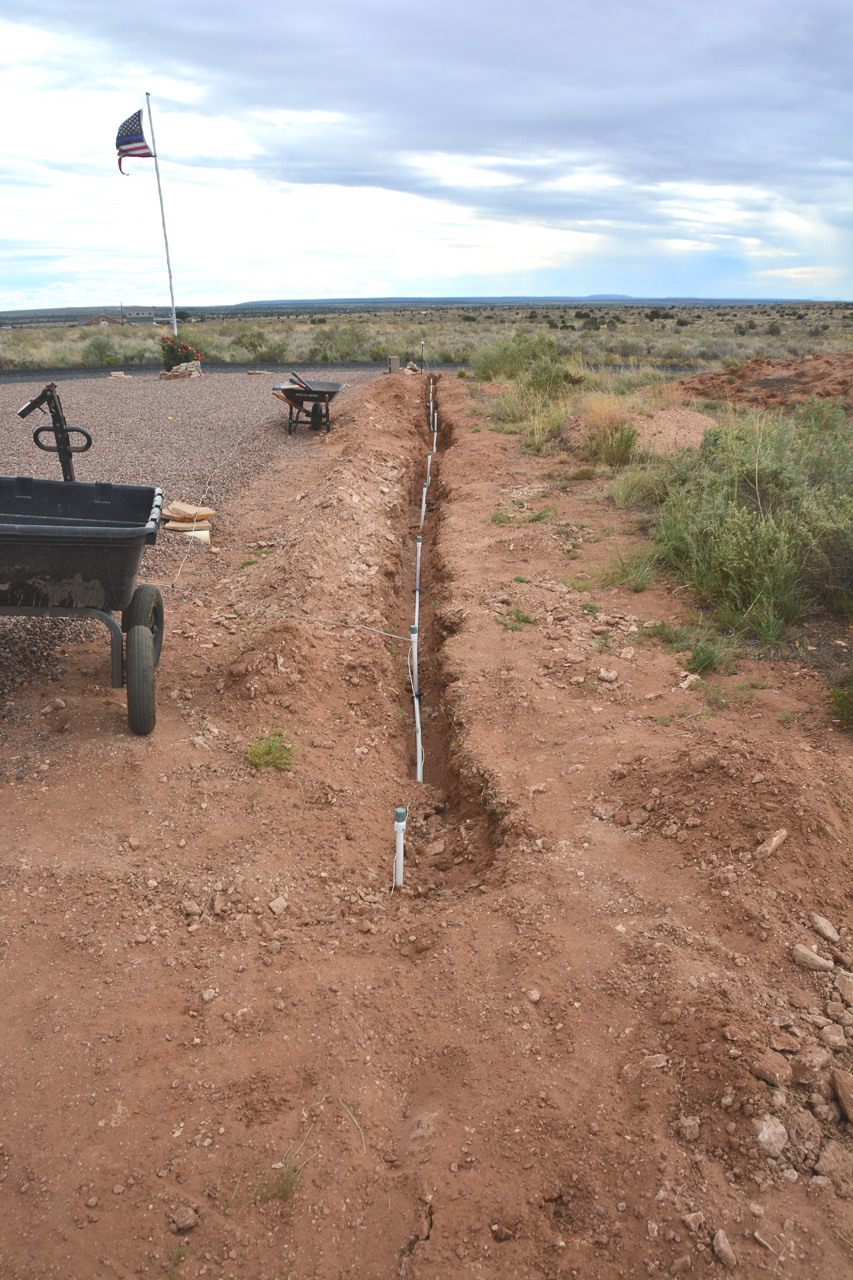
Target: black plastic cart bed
x=73, y=550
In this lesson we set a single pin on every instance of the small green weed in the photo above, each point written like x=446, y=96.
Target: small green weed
x=180, y=1255
x=590, y=608
x=636, y=572
x=715, y=696
x=281, y=1179
x=842, y=701
x=246, y=563
x=520, y=578
x=537, y=517
x=613, y=445
x=476, y=429
x=522, y=617
x=271, y=750
x=665, y=721
x=786, y=719
x=500, y=517
x=707, y=657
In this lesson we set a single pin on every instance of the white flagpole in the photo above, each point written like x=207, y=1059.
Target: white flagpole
x=162, y=215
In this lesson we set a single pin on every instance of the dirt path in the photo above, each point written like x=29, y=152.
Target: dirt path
x=549, y=1054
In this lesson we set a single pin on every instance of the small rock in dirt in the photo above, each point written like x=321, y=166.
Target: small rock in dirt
x=834, y=1037
x=700, y=761
x=618, y=771
x=118, y=1189
x=654, y=1061
x=689, y=681
x=533, y=995
x=208, y=995
x=637, y=817
x=771, y=844
x=607, y=677
x=688, y=1127
x=500, y=1233
x=274, y=947
x=837, y=1164
x=681, y=1265
x=842, y=1083
x=134, y=843
x=724, y=1250
x=190, y=908
x=770, y=1135
x=844, y=983
x=826, y=930
x=184, y=1218
x=772, y=1068
x=693, y=1221
x=670, y=1016
x=808, y=959
x=278, y=905
x=620, y=818
x=435, y=848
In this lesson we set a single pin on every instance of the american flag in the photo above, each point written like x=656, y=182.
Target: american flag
x=130, y=140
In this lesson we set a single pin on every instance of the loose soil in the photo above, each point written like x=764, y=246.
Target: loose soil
x=778, y=382
x=575, y=1043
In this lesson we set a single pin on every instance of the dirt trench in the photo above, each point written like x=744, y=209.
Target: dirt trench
x=558, y=1051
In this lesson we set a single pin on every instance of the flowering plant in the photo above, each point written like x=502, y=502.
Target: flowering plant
x=175, y=351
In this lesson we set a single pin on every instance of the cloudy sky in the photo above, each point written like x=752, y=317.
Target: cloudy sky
x=364, y=148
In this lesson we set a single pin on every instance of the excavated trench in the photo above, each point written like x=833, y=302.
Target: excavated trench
x=453, y=830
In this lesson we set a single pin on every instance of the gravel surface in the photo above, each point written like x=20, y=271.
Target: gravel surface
x=222, y=428
x=197, y=439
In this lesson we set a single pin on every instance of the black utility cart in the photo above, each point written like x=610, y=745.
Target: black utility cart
x=308, y=400
x=69, y=549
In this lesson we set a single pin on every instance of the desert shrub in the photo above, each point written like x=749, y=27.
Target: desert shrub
x=99, y=350
x=762, y=525
x=509, y=357
x=613, y=445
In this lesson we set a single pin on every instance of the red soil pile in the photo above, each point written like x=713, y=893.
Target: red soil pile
x=771, y=383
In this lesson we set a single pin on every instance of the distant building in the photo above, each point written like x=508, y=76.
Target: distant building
x=100, y=320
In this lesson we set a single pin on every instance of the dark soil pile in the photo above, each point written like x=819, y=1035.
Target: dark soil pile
x=777, y=382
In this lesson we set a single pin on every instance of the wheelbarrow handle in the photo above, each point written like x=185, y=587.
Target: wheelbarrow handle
x=55, y=448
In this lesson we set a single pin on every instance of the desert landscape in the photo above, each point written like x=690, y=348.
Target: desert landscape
x=605, y=1026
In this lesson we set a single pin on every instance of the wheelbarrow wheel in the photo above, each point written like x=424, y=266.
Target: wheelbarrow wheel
x=146, y=610
x=316, y=416
x=139, y=658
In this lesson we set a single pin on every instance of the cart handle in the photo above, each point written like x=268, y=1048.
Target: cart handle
x=55, y=448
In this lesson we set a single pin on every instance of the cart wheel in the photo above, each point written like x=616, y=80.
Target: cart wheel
x=146, y=610
x=141, y=707
x=316, y=416
x=290, y=424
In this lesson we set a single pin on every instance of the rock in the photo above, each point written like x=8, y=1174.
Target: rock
x=827, y=931
x=533, y=995
x=724, y=1250
x=688, y=1127
x=208, y=995
x=278, y=905
x=191, y=369
x=274, y=946
x=500, y=1233
x=681, y=1265
x=834, y=1037
x=618, y=771
x=837, y=1164
x=771, y=844
x=670, y=1016
x=637, y=817
x=184, y=1218
x=435, y=848
x=700, y=761
x=607, y=677
x=620, y=818
x=655, y=1061
x=689, y=681
x=808, y=959
x=693, y=1221
x=190, y=908
x=771, y=1135
x=844, y=983
x=808, y=1068
x=842, y=1083
x=772, y=1067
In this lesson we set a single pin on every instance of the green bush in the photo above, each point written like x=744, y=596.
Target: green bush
x=762, y=525
x=98, y=351
x=510, y=357
x=613, y=445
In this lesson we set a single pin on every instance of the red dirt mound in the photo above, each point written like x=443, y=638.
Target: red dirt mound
x=778, y=382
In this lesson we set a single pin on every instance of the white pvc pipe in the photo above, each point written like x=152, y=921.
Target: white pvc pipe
x=423, y=507
x=399, y=829
x=429, y=460
x=414, y=633
x=418, y=581
x=419, y=751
